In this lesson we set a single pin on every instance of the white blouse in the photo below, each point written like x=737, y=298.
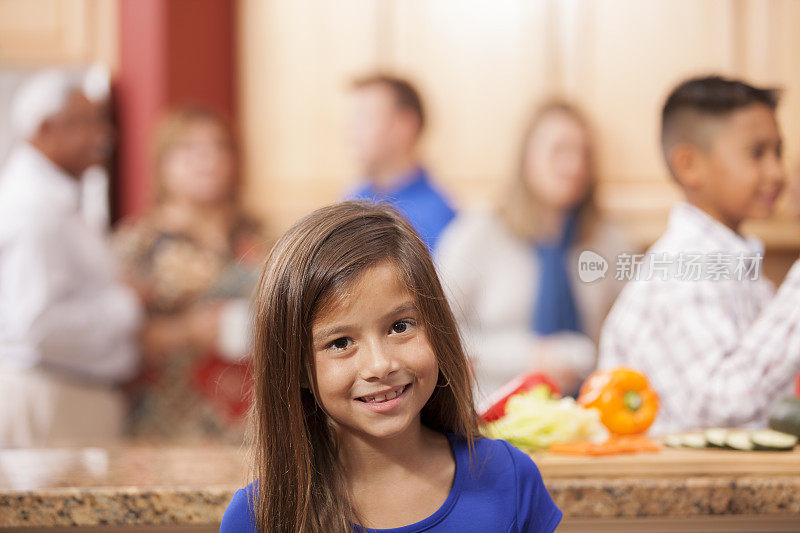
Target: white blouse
x=491, y=278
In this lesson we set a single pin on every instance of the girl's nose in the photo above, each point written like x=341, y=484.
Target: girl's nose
x=376, y=362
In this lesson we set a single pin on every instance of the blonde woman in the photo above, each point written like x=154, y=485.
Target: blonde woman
x=512, y=273
x=195, y=256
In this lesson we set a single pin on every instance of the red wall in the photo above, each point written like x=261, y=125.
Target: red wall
x=171, y=52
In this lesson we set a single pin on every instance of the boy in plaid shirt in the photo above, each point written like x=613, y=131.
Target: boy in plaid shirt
x=718, y=344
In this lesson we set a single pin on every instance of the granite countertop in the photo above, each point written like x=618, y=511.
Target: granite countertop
x=153, y=485
x=126, y=485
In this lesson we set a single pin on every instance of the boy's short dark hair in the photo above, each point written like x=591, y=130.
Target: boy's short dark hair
x=405, y=94
x=697, y=103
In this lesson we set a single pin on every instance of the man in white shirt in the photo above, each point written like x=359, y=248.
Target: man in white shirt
x=68, y=327
x=717, y=343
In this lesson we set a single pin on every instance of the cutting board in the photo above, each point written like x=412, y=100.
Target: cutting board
x=668, y=462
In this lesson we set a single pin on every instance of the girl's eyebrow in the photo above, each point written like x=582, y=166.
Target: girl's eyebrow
x=402, y=308
x=342, y=328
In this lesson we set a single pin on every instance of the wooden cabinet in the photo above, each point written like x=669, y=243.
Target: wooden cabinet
x=57, y=32
x=482, y=66
x=296, y=60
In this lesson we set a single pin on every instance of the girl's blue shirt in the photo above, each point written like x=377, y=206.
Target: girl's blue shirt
x=501, y=491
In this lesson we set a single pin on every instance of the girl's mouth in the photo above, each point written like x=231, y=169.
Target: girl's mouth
x=386, y=401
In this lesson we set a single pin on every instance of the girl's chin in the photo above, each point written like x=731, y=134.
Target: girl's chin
x=388, y=433
x=384, y=430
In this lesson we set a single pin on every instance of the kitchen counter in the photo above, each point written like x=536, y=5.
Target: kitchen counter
x=120, y=486
x=676, y=490
x=188, y=488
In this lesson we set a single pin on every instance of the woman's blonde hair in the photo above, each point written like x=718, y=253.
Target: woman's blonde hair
x=171, y=128
x=521, y=209
x=299, y=482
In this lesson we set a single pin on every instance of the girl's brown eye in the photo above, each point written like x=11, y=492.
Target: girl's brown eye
x=341, y=343
x=399, y=326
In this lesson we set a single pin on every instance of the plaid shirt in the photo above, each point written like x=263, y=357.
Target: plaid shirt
x=719, y=347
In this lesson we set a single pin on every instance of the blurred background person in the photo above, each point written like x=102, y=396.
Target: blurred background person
x=512, y=273
x=386, y=123
x=198, y=256
x=68, y=327
x=736, y=332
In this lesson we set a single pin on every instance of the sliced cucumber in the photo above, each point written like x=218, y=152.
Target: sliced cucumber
x=716, y=437
x=673, y=441
x=694, y=440
x=772, y=440
x=739, y=440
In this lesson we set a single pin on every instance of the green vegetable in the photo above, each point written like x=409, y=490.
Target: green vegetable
x=534, y=420
x=739, y=440
x=716, y=437
x=734, y=439
x=694, y=440
x=771, y=440
x=785, y=416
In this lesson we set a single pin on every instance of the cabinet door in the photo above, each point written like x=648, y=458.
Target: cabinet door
x=45, y=32
x=297, y=61
x=482, y=66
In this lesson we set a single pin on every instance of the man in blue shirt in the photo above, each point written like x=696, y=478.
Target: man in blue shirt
x=386, y=123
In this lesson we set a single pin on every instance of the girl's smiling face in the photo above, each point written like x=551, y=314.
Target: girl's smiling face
x=374, y=366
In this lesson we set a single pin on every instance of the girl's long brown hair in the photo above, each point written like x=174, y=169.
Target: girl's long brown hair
x=299, y=482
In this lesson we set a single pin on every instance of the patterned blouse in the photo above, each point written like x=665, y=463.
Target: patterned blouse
x=189, y=395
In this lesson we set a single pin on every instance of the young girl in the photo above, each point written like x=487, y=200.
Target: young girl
x=363, y=413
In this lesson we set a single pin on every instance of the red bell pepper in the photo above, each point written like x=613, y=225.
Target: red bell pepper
x=495, y=405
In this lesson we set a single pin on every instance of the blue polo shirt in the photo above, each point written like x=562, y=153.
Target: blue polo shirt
x=502, y=491
x=418, y=200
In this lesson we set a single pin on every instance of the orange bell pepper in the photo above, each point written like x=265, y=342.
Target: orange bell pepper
x=624, y=398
